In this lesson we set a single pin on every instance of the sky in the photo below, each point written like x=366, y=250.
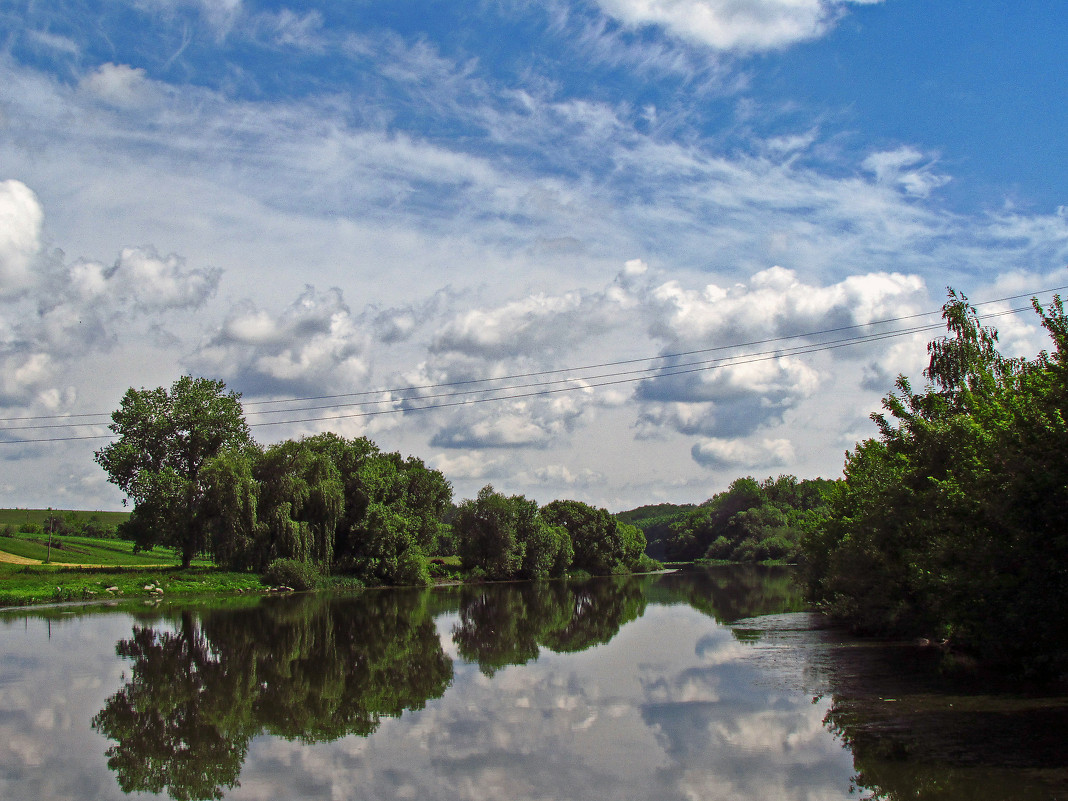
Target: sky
x=588, y=249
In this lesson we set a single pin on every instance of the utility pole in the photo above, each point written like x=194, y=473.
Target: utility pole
x=51, y=525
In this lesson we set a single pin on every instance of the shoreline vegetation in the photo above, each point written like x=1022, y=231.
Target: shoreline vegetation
x=948, y=528
x=62, y=556
x=24, y=586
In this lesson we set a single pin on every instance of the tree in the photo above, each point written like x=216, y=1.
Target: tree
x=508, y=537
x=751, y=521
x=231, y=508
x=165, y=439
x=301, y=503
x=602, y=544
x=950, y=525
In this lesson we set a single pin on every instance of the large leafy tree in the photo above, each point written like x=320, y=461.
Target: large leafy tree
x=951, y=523
x=602, y=544
x=508, y=537
x=165, y=440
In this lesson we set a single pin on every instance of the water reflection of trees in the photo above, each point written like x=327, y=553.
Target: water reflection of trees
x=313, y=669
x=916, y=731
x=954, y=748
x=732, y=592
x=305, y=669
x=508, y=624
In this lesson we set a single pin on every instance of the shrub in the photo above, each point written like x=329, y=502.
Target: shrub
x=291, y=573
x=646, y=564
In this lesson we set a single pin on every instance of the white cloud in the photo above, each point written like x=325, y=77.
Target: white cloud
x=21, y=217
x=743, y=455
x=906, y=168
x=118, y=84
x=562, y=475
x=511, y=425
x=746, y=25
x=52, y=41
x=151, y=282
x=288, y=28
x=221, y=15
x=314, y=345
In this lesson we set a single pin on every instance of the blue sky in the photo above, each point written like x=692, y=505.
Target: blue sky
x=325, y=198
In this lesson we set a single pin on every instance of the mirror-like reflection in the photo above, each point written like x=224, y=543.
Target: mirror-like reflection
x=507, y=624
x=308, y=669
x=701, y=684
x=915, y=729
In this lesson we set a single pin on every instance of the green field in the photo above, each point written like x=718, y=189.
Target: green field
x=16, y=517
x=68, y=549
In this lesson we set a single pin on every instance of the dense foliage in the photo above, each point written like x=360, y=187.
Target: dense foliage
x=951, y=525
x=200, y=689
x=750, y=522
x=339, y=505
x=602, y=544
x=510, y=537
x=166, y=437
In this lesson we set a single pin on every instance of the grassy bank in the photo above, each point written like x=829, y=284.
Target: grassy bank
x=22, y=585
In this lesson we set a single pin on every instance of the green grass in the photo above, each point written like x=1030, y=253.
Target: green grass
x=87, y=550
x=22, y=585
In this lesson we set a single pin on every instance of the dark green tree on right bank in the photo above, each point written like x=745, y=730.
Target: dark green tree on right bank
x=951, y=524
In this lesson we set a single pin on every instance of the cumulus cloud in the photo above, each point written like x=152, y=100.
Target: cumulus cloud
x=745, y=25
x=55, y=314
x=561, y=475
x=314, y=344
x=739, y=374
x=512, y=425
x=150, y=282
x=21, y=217
x=713, y=452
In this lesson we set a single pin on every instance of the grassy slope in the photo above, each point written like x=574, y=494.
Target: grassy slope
x=122, y=568
x=86, y=551
x=644, y=516
x=655, y=520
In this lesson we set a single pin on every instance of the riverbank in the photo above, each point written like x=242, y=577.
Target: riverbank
x=31, y=585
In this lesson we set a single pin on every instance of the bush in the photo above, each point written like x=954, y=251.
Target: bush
x=646, y=564
x=291, y=573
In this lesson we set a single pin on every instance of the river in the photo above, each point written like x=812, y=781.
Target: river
x=709, y=684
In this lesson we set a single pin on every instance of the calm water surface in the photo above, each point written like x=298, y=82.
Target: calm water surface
x=703, y=685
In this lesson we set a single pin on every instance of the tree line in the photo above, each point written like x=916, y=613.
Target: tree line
x=200, y=484
x=950, y=525
x=751, y=521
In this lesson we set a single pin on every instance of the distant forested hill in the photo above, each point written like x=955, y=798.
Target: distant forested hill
x=655, y=520
x=750, y=522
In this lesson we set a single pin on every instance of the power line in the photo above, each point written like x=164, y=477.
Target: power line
x=576, y=382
